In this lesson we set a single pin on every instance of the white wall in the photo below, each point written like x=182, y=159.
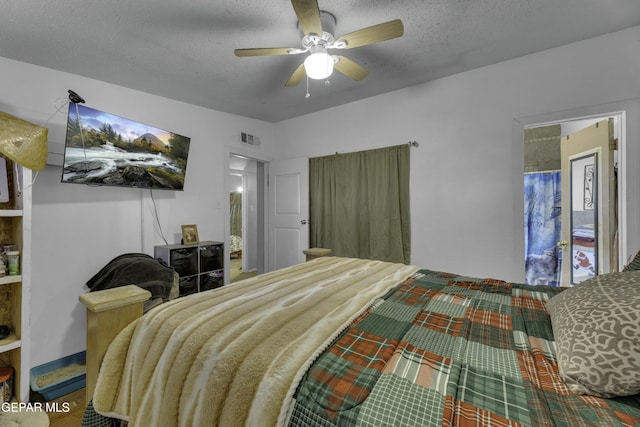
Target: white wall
x=78, y=229
x=251, y=219
x=466, y=176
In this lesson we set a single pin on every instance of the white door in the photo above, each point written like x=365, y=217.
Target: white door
x=588, y=203
x=288, y=212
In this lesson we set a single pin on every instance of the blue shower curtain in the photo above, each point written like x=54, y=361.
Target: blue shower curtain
x=542, y=227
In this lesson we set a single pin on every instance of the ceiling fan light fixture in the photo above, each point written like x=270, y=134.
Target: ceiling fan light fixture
x=317, y=29
x=319, y=64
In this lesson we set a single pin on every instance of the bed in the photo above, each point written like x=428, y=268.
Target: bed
x=340, y=341
x=235, y=246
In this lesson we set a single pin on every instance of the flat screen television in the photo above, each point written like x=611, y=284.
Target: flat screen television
x=105, y=149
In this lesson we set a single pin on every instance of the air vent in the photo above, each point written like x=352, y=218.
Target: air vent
x=249, y=139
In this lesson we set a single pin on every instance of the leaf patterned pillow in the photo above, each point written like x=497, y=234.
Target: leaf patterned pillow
x=634, y=264
x=596, y=326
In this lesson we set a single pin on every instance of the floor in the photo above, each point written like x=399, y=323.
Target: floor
x=235, y=271
x=70, y=408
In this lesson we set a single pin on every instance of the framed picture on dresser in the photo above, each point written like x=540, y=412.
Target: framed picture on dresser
x=190, y=234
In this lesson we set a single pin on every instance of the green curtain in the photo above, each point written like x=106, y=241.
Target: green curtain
x=236, y=214
x=359, y=204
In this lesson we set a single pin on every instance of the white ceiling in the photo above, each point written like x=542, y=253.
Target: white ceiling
x=184, y=49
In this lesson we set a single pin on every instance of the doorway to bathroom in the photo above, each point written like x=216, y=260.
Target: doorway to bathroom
x=571, y=195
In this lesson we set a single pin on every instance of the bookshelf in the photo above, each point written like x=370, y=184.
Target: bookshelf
x=15, y=229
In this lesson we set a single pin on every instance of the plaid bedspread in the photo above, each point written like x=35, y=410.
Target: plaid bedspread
x=446, y=350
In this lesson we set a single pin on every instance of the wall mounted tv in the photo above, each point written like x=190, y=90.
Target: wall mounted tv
x=105, y=149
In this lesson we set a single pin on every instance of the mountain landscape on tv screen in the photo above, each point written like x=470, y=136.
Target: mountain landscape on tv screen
x=104, y=149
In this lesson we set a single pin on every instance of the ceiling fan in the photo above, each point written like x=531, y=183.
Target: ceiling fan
x=318, y=29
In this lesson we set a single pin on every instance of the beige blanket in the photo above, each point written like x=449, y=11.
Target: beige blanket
x=233, y=356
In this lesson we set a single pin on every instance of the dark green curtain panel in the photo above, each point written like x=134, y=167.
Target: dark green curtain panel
x=236, y=213
x=359, y=204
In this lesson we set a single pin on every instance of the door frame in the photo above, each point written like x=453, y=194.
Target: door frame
x=628, y=118
x=262, y=207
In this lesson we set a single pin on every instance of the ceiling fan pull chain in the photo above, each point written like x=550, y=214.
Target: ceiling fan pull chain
x=329, y=70
x=307, y=94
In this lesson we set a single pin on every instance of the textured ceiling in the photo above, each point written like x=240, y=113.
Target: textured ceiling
x=184, y=49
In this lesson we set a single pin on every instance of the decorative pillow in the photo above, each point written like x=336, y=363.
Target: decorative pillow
x=634, y=264
x=596, y=326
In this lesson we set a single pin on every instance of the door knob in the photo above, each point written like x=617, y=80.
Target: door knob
x=304, y=222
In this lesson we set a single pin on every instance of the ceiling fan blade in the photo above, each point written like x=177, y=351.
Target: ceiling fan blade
x=350, y=68
x=308, y=14
x=267, y=51
x=374, y=34
x=296, y=77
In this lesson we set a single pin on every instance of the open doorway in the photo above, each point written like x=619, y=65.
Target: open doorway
x=551, y=256
x=243, y=217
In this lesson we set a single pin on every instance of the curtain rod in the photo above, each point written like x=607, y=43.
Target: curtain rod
x=544, y=171
x=411, y=144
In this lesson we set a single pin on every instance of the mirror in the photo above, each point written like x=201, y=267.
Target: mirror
x=584, y=217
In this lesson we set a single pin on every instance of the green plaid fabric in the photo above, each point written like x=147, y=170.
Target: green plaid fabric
x=92, y=419
x=415, y=406
x=486, y=389
x=446, y=350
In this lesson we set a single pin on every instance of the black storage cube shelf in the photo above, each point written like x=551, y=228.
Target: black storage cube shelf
x=211, y=257
x=199, y=265
x=185, y=261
